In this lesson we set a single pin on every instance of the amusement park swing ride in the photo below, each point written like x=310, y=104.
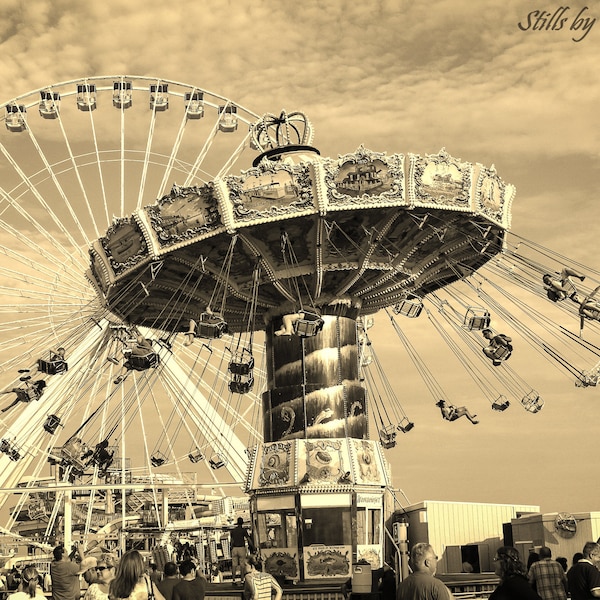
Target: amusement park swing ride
x=191, y=295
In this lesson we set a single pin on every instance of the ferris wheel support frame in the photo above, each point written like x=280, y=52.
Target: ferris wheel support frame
x=27, y=430
x=206, y=418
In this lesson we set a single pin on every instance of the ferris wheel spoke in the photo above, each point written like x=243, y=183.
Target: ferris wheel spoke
x=164, y=184
x=226, y=168
x=193, y=173
x=222, y=397
x=62, y=194
x=79, y=181
x=61, y=289
x=122, y=161
x=53, y=241
x=39, y=197
x=98, y=164
x=147, y=156
x=50, y=266
x=207, y=418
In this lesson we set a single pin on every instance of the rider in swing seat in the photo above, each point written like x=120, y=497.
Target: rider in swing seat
x=451, y=412
x=499, y=347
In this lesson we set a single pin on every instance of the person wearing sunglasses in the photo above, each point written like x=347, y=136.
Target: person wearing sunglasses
x=105, y=573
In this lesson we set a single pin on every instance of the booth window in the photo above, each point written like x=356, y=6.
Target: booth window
x=277, y=529
x=329, y=526
x=368, y=525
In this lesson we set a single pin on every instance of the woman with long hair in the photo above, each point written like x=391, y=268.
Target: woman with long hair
x=130, y=580
x=30, y=585
x=513, y=577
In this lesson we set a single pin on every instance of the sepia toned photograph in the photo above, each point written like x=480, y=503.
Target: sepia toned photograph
x=299, y=301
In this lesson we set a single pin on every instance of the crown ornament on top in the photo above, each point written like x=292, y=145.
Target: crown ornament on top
x=271, y=132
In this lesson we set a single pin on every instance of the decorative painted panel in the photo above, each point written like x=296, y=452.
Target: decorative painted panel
x=365, y=178
x=276, y=464
x=440, y=180
x=271, y=191
x=321, y=562
x=184, y=213
x=124, y=244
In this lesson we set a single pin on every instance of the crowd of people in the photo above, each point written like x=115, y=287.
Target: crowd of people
x=542, y=578
x=130, y=578
x=75, y=576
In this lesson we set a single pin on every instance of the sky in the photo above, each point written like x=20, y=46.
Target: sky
x=483, y=79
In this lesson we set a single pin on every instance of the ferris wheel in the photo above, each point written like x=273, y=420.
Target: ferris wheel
x=74, y=157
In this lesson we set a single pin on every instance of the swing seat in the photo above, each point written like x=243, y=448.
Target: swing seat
x=477, y=318
x=14, y=454
x=51, y=424
x=502, y=352
x=500, y=404
x=211, y=326
x=309, y=325
x=52, y=367
x=587, y=379
x=498, y=354
x=23, y=395
x=532, y=402
x=241, y=367
x=241, y=386
x=405, y=425
x=157, y=460
x=101, y=457
x=196, y=456
x=4, y=446
x=409, y=307
x=141, y=363
x=28, y=394
x=217, y=462
x=71, y=454
x=387, y=437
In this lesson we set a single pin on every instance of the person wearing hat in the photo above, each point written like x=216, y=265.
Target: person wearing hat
x=65, y=575
x=88, y=571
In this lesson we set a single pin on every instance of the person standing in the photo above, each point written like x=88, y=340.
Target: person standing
x=421, y=583
x=387, y=583
x=98, y=590
x=239, y=534
x=131, y=581
x=29, y=586
x=513, y=577
x=259, y=585
x=547, y=577
x=170, y=580
x=192, y=586
x=64, y=573
x=584, y=576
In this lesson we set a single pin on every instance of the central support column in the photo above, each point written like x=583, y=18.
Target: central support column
x=316, y=483
x=313, y=384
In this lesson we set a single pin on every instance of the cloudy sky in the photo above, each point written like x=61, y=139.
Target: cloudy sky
x=482, y=79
